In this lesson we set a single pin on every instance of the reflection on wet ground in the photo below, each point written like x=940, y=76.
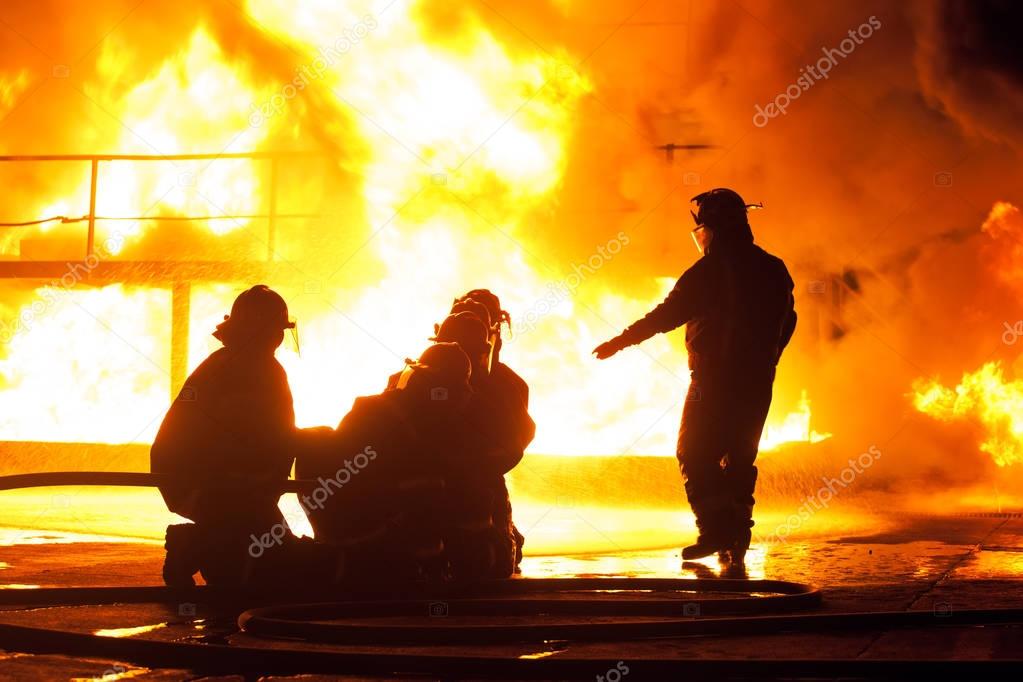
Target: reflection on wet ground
x=861, y=562
x=885, y=549
x=664, y=563
x=861, y=548
x=565, y=526
x=128, y=632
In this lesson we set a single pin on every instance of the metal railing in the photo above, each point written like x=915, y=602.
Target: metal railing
x=272, y=158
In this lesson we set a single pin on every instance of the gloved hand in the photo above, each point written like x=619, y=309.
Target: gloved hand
x=609, y=348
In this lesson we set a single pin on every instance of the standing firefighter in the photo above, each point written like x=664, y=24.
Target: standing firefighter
x=227, y=440
x=736, y=302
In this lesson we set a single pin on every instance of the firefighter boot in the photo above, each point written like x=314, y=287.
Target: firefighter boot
x=183, y=550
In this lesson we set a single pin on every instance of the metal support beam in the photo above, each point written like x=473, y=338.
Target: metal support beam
x=181, y=305
x=90, y=244
x=272, y=211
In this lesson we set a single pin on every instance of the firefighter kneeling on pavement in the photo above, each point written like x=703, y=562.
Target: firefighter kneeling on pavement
x=227, y=445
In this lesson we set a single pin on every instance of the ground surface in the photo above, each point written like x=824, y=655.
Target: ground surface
x=914, y=563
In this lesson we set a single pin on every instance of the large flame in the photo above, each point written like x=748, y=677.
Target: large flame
x=461, y=140
x=796, y=426
x=193, y=103
x=987, y=397
x=10, y=88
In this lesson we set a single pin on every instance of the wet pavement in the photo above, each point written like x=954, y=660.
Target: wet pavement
x=930, y=564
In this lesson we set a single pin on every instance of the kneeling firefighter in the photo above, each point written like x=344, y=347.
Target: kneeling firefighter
x=736, y=302
x=226, y=442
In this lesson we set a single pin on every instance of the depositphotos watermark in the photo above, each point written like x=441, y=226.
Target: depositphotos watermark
x=614, y=674
x=827, y=492
x=58, y=290
x=326, y=57
x=315, y=500
x=564, y=288
x=811, y=74
x=1012, y=332
x=115, y=672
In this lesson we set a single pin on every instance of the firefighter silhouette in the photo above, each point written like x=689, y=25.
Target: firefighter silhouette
x=486, y=443
x=384, y=471
x=736, y=302
x=227, y=440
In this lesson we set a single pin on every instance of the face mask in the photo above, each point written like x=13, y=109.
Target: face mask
x=294, y=339
x=702, y=237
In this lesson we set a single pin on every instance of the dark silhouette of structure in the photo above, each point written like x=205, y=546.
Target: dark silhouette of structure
x=228, y=440
x=737, y=304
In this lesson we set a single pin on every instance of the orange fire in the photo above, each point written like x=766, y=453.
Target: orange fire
x=456, y=144
x=986, y=397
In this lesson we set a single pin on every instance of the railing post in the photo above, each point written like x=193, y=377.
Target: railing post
x=181, y=309
x=272, y=211
x=91, y=239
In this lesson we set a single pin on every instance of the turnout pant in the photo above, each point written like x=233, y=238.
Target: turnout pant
x=722, y=422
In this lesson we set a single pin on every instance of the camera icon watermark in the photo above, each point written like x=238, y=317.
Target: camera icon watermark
x=943, y=179
x=943, y=609
x=817, y=286
x=187, y=610
x=691, y=609
x=188, y=394
x=438, y=609
x=690, y=178
x=439, y=393
x=61, y=71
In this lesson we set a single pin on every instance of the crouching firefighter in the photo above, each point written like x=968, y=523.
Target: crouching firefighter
x=736, y=302
x=482, y=541
x=384, y=473
x=503, y=403
x=226, y=443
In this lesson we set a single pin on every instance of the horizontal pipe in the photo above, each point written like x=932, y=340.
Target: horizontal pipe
x=149, y=272
x=246, y=658
x=161, y=157
x=112, y=478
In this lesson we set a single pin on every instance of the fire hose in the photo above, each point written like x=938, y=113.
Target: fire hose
x=343, y=622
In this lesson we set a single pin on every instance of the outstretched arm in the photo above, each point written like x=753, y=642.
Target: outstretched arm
x=674, y=311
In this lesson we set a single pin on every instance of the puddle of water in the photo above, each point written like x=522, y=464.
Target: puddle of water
x=550, y=647
x=10, y=537
x=117, y=672
x=128, y=632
